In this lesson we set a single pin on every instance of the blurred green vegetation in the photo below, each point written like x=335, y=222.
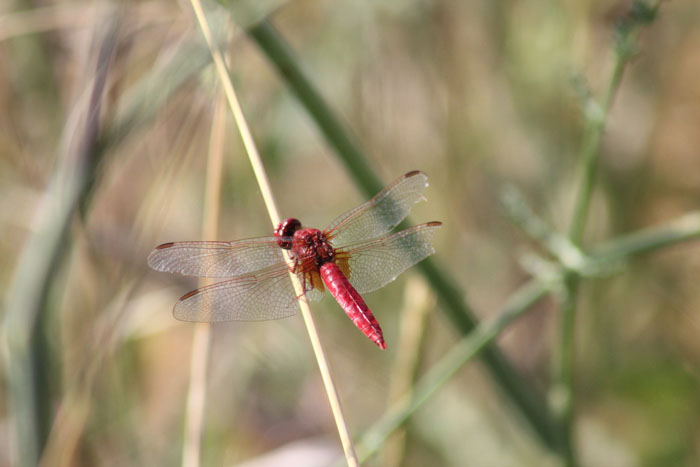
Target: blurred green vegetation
x=480, y=95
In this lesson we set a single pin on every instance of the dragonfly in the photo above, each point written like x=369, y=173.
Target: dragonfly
x=356, y=254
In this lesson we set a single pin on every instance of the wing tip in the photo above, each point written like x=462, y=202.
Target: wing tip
x=179, y=316
x=415, y=173
x=181, y=312
x=153, y=260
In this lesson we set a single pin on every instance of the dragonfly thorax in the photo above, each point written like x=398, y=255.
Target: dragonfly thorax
x=311, y=245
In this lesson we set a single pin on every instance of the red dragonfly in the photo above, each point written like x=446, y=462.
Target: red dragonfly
x=354, y=254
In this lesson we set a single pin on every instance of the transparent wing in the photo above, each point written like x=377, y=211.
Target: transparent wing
x=381, y=214
x=376, y=263
x=269, y=294
x=216, y=259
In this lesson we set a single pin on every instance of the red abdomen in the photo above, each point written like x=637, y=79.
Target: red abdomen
x=351, y=301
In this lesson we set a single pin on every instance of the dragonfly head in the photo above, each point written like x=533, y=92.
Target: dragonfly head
x=284, y=232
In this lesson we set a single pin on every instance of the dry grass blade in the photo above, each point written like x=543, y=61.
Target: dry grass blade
x=201, y=340
x=273, y=212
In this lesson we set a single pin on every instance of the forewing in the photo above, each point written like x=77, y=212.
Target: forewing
x=381, y=214
x=376, y=263
x=216, y=259
x=266, y=295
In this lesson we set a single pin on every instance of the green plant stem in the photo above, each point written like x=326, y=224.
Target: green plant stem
x=562, y=397
x=512, y=384
x=591, y=152
x=468, y=347
x=561, y=394
x=686, y=227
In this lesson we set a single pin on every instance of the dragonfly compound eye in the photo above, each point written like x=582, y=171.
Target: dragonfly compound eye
x=284, y=232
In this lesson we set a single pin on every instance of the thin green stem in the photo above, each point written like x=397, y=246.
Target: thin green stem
x=626, y=31
x=562, y=396
x=686, y=227
x=591, y=151
x=467, y=348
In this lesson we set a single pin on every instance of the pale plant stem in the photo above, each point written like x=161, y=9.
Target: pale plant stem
x=273, y=212
x=201, y=339
x=196, y=395
x=418, y=301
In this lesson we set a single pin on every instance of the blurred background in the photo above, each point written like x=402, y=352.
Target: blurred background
x=476, y=94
